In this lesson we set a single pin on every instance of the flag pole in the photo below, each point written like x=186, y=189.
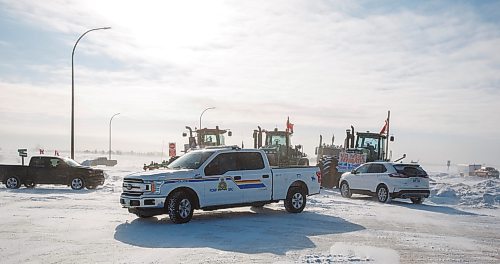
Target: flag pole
x=387, y=139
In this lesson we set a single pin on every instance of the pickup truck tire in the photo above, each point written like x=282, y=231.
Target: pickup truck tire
x=418, y=200
x=77, y=183
x=180, y=207
x=295, y=201
x=12, y=182
x=345, y=191
x=29, y=184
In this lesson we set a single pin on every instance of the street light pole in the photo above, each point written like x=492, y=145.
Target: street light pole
x=111, y=119
x=204, y=112
x=73, y=92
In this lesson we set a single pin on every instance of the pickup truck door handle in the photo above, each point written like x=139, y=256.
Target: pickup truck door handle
x=237, y=177
x=265, y=176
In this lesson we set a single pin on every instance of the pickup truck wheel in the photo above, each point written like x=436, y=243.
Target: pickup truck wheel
x=345, y=191
x=30, y=184
x=295, y=201
x=13, y=182
x=180, y=208
x=418, y=200
x=383, y=194
x=77, y=183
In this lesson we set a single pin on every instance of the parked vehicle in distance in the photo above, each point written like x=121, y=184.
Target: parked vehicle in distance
x=219, y=178
x=51, y=170
x=387, y=180
x=487, y=172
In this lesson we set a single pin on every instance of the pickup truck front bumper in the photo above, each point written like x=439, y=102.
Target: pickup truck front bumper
x=142, y=202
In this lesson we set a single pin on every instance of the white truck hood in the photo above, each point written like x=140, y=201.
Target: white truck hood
x=166, y=174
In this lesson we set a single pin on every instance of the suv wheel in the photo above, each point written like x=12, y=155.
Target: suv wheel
x=77, y=183
x=383, y=194
x=418, y=200
x=180, y=208
x=344, y=190
x=295, y=201
x=12, y=182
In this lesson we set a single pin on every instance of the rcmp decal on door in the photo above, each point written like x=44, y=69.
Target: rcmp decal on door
x=222, y=185
x=242, y=184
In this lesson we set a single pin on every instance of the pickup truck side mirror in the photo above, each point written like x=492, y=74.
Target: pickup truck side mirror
x=354, y=172
x=229, y=133
x=184, y=134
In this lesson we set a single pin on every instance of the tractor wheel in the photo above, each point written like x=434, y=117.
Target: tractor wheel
x=325, y=166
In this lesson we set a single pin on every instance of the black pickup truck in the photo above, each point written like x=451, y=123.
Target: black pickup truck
x=51, y=170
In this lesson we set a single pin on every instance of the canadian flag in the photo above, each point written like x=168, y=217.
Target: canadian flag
x=384, y=129
x=289, y=126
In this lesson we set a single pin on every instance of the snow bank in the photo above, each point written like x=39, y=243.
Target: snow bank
x=468, y=191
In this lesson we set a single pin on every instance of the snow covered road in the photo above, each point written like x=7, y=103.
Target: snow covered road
x=54, y=224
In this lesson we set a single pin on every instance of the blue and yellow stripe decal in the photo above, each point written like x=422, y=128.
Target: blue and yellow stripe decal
x=249, y=184
x=242, y=184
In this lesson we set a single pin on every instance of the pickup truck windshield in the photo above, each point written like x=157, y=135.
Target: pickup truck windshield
x=72, y=163
x=192, y=160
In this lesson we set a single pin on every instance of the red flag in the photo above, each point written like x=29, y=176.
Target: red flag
x=384, y=129
x=289, y=126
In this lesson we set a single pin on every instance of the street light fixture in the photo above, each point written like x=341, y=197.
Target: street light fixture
x=73, y=91
x=111, y=119
x=204, y=112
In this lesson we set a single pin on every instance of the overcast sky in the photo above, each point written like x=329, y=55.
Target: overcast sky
x=325, y=64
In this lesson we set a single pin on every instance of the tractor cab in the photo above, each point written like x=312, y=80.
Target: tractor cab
x=277, y=138
x=206, y=137
x=371, y=144
x=277, y=146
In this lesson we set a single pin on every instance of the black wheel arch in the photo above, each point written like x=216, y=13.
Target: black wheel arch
x=300, y=184
x=189, y=191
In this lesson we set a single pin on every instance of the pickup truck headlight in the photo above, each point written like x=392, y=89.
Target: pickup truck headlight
x=156, y=187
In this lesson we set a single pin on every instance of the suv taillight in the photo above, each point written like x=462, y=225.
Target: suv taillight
x=318, y=174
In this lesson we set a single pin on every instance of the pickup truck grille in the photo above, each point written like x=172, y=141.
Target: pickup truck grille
x=134, y=194
x=133, y=187
x=131, y=180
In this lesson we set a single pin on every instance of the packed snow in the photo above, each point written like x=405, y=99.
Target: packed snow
x=54, y=224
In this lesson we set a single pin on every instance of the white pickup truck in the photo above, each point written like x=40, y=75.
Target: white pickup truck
x=212, y=179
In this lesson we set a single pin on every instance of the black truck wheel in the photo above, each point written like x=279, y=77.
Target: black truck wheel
x=295, y=201
x=180, y=207
x=13, y=182
x=29, y=184
x=77, y=183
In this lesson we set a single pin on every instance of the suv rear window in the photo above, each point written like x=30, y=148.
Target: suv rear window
x=410, y=170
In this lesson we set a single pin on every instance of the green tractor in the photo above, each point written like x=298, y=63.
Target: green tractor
x=327, y=160
x=278, y=147
x=370, y=146
x=206, y=137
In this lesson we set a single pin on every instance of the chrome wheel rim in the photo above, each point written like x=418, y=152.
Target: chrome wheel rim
x=11, y=182
x=184, y=208
x=382, y=194
x=297, y=200
x=77, y=183
x=344, y=190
